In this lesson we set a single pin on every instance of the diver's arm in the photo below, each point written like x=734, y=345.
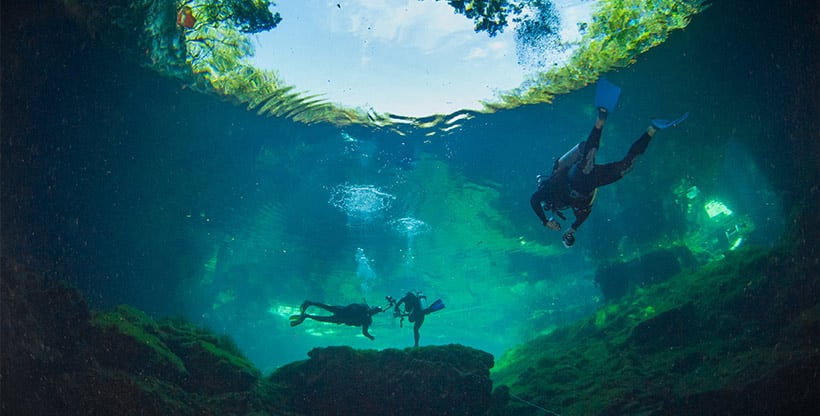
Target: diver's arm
x=535, y=202
x=581, y=215
x=397, y=309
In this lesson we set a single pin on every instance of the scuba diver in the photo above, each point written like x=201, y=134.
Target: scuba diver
x=576, y=177
x=415, y=311
x=355, y=314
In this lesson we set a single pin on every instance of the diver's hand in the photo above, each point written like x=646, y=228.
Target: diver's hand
x=553, y=225
x=569, y=238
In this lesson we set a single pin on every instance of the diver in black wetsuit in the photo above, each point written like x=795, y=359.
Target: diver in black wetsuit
x=355, y=314
x=414, y=311
x=575, y=178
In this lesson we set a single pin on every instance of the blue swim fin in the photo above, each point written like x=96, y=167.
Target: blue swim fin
x=436, y=306
x=661, y=124
x=606, y=95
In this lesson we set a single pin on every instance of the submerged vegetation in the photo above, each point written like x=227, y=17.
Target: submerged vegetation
x=711, y=341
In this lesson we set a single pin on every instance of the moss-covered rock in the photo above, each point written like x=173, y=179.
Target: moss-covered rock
x=445, y=380
x=712, y=341
x=130, y=340
x=216, y=370
x=59, y=359
x=34, y=345
x=173, y=350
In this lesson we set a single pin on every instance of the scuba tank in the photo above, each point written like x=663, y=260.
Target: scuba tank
x=422, y=300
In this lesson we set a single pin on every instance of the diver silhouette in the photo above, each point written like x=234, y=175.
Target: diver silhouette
x=355, y=314
x=415, y=311
x=575, y=176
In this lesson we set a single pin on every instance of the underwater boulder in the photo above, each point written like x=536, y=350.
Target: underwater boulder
x=60, y=358
x=33, y=344
x=735, y=336
x=215, y=369
x=131, y=341
x=443, y=380
x=197, y=360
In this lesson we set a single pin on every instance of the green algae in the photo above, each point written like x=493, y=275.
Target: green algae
x=173, y=350
x=131, y=322
x=451, y=379
x=701, y=331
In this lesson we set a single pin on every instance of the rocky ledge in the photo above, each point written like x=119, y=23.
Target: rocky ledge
x=61, y=358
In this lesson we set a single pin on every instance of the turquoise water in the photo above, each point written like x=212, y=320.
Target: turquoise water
x=138, y=191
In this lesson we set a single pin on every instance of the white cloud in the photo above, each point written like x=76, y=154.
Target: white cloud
x=409, y=57
x=476, y=53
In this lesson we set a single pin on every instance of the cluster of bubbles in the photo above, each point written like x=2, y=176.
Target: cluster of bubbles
x=361, y=203
x=409, y=227
x=365, y=271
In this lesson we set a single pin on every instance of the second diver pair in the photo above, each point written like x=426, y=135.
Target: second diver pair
x=410, y=306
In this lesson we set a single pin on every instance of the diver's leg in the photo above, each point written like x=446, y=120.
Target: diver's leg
x=329, y=308
x=584, y=152
x=612, y=172
x=581, y=178
x=416, y=334
x=333, y=319
x=308, y=303
x=582, y=174
x=593, y=142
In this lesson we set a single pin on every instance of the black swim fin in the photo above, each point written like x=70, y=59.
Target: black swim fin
x=297, y=319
